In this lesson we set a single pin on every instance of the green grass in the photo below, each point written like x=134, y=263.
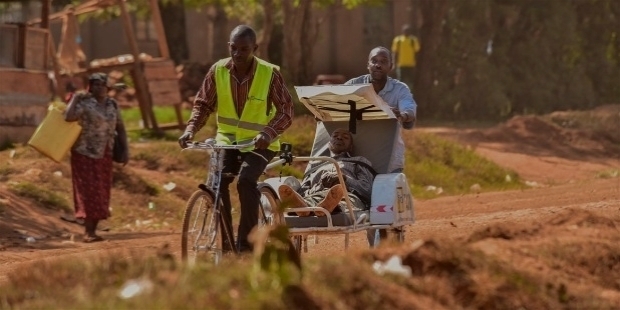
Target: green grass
x=44, y=197
x=5, y=171
x=465, y=276
x=431, y=160
x=434, y=161
x=608, y=174
x=100, y=281
x=163, y=115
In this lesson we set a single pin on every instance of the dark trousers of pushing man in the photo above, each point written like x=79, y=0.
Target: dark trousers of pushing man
x=249, y=167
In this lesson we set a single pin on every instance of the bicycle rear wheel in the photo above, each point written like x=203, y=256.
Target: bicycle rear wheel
x=200, y=239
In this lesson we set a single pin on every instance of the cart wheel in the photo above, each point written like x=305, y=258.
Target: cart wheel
x=268, y=213
x=297, y=243
x=200, y=238
x=396, y=234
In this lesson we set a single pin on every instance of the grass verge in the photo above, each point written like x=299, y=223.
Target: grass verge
x=44, y=197
x=433, y=163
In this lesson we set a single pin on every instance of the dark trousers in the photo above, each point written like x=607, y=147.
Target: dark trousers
x=249, y=167
x=405, y=75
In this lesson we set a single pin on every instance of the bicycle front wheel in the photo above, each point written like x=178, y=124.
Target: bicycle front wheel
x=200, y=236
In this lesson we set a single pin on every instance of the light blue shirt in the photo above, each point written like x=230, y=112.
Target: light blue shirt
x=397, y=95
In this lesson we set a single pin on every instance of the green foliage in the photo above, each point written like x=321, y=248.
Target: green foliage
x=277, y=265
x=543, y=56
x=44, y=197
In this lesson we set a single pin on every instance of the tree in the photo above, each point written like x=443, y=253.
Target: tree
x=433, y=13
x=298, y=20
x=174, y=27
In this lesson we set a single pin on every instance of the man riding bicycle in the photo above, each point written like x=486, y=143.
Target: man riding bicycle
x=252, y=103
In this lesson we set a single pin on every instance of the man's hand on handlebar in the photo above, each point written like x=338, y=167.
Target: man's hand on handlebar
x=184, y=138
x=261, y=141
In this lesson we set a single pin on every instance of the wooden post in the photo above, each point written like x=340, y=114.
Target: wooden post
x=45, y=13
x=45, y=24
x=159, y=27
x=146, y=108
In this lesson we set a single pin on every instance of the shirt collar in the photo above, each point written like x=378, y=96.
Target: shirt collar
x=230, y=65
x=342, y=155
x=389, y=85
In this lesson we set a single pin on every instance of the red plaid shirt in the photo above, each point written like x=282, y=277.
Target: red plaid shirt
x=205, y=102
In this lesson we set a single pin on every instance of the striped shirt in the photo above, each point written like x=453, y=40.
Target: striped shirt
x=205, y=102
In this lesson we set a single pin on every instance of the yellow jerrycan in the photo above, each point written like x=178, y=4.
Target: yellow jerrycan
x=54, y=137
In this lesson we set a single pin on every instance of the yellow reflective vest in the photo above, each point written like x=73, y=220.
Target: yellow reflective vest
x=232, y=128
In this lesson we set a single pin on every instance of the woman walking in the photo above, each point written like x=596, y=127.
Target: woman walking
x=91, y=155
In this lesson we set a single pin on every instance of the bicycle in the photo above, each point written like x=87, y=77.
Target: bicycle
x=202, y=217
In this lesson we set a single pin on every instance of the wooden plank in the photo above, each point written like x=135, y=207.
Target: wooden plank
x=9, y=39
x=24, y=81
x=16, y=134
x=146, y=106
x=159, y=28
x=159, y=70
x=165, y=92
x=21, y=115
x=21, y=44
x=35, y=49
x=171, y=126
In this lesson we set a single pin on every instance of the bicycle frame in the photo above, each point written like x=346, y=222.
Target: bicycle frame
x=212, y=185
x=210, y=225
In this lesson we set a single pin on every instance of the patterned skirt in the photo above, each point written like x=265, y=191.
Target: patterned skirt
x=92, y=183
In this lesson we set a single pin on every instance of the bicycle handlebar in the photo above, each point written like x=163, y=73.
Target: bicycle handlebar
x=211, y=144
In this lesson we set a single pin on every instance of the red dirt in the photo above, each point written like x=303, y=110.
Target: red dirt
x=571, y=205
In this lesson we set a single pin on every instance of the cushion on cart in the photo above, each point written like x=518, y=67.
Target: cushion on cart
x=340, y=219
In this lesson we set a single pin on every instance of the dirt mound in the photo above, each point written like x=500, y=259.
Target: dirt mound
x=508, y=266
x=582, y=218
x=504, y=232
x=537, y=134
x=24, y=220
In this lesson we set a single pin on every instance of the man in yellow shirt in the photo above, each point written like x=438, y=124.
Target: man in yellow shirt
x=405, y=47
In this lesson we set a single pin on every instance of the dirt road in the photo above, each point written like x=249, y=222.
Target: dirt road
x=447, y=217
x=561, y=183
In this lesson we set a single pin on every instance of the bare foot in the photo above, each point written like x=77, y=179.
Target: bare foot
x=331, y=200
x=290, y=198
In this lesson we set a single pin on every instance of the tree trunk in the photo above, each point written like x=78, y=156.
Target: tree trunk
x=173, y=18
x=433, y=13
x=300, y=36
x=268, y=24
x=221, y=34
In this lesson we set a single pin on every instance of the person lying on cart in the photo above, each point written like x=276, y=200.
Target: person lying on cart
x=320, y=186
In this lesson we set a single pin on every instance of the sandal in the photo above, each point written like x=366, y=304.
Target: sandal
x=90, y=239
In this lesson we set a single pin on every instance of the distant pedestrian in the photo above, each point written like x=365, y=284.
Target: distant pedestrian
x=91, y=155
x=405, y=47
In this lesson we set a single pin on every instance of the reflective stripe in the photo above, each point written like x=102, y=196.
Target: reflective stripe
x=240, y=124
